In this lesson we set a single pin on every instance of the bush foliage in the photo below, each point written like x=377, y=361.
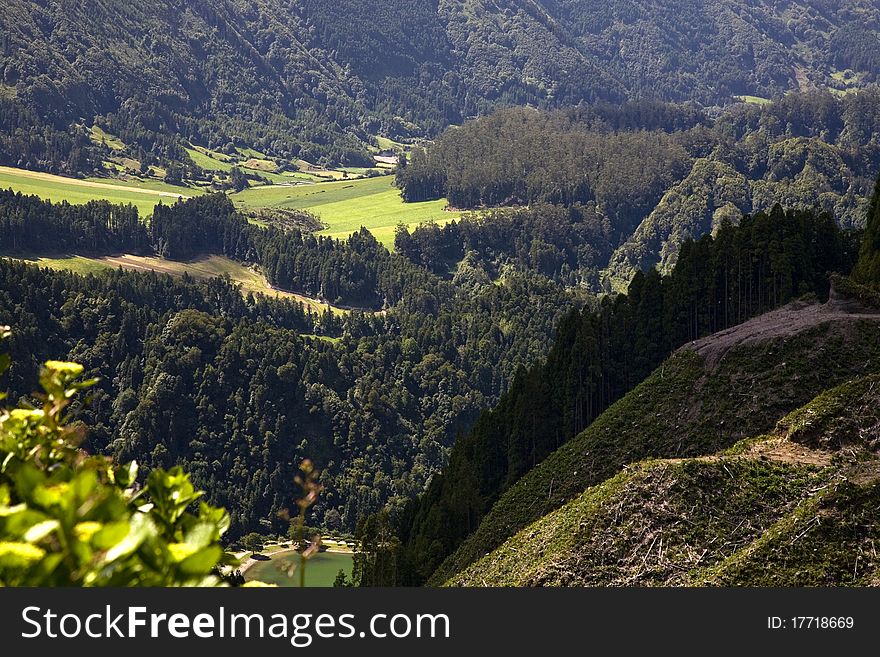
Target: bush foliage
x=68, y=518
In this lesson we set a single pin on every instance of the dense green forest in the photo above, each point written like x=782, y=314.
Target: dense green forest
x=599, y=355
x=645, y=177
x=29, y=224
x=317, y=81
x=240, y=388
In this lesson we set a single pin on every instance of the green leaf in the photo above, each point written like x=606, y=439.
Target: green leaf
x=140, y=529
x=84, y=484
x=202, y=561
x=6, y=511
x=171, y=492
x=64, y=369
x=111, y=535
x=57, y=495
x=215, y=515
x=40, y=531
x=181, y=551
x=201, y=535
x=126, y=475
x=27, y=480
x=14, y=554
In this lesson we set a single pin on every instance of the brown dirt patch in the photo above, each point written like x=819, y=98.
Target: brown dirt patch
x=783, y=322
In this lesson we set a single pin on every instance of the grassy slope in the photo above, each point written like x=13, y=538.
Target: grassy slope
x=829, y=540
x=144, y=196
x=210, y=160
x=345, y=206
x=773, y=511
x=754, y=100
x=213, y=266
x=201, y=268
x=74, y=263
x=649, y=525
x=682, y=410
x=207, y=162
x=98, y=136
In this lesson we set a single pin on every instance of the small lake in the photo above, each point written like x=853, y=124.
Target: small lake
x=321, y=569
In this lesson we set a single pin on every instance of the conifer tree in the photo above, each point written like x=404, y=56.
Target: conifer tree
x=867, y=269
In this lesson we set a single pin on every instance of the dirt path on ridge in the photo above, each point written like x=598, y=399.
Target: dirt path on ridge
x=786, y=321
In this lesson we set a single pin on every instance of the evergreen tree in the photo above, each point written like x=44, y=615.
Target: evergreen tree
x=867, y=269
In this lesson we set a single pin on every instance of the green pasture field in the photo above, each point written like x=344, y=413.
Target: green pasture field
x=143, y=195
x=343, y=206
x=346, y=205
x=754, y=100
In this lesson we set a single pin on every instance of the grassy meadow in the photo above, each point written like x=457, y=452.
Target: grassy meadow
x=754, y=100
x=74, y=263
x=344, y=206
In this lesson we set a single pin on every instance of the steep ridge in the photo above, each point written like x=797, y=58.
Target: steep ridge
x=705, y=398
x=779, y=510
x=779, y=324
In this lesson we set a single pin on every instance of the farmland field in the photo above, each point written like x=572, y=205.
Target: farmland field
x=218, y=162
x=346, y=205
x=98, y=136
x=387, y=144
x=753, y=100
x=208, y=162
x=144, y=196
x=343, y=206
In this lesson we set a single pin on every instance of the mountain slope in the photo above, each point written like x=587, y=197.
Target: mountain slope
x=651, y=175
x=712, y=192
x=316, y=80
x=780, y=510
x=706, y=49
x=708, y=396
x=773, y=515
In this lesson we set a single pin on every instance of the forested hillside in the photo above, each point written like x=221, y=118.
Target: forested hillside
x=642, y=178
x=635, y=274
x=240, y=389
x=601, y=354
x=318, y=81
x=591, y=411
x=868, y=267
